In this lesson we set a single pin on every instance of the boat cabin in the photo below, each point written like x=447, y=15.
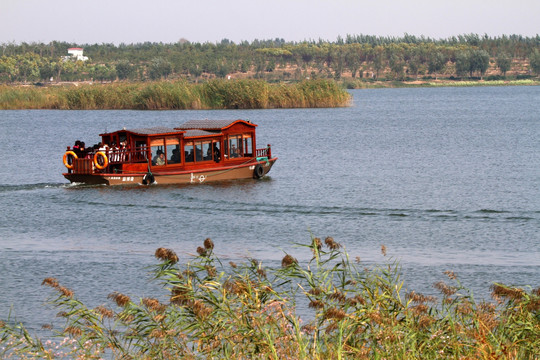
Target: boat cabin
x=196, y=144
x=196, y=151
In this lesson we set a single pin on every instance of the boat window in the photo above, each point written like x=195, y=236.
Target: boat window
x=216, y=151
x=188, y=152
x=158, y=152
x=248, y=145
x=207, y=150
x=172, y=151
x=198, y=151
x=235, y=146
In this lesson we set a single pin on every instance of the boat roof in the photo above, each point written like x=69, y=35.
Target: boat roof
x=191, y=128
x=197, y=133
x=147, y=131
x=211, y=125
x=152, y=130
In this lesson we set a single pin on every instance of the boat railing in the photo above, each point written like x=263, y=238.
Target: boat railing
x=264, y=152
x=125, y=155
x=87, y=164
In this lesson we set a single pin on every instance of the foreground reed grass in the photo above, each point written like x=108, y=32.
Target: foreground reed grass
x=180, y=95
x=248, y=311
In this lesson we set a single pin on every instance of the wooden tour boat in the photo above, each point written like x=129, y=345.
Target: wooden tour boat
x=197, y=151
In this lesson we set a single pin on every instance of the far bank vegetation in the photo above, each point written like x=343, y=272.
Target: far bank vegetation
x=356, y=59
x=257, y=75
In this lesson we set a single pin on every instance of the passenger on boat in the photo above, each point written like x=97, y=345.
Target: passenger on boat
x=208, y=154
x=104, y=148
x=175, y=158
x=190, y=156
x=77, y=148
x=82, y=150
x=90, y=151
x=123, y=151
x=217, y=154
x=234, y=152
x=198, y=154
x=159, y=159
x=114, y=153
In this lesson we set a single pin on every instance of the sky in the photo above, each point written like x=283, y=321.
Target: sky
x=168, y=21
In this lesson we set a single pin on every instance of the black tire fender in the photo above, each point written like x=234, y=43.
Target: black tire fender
x=258, y=172
x=148, y=179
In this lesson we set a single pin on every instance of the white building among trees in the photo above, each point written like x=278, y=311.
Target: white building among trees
x=75, y=54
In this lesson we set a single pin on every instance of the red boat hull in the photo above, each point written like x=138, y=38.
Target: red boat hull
x=244, y=171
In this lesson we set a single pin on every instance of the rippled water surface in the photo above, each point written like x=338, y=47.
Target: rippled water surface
x=446, y=179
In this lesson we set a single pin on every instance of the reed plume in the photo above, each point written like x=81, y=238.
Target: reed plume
x=166, y=255
x=120, y=299
x=288, y=260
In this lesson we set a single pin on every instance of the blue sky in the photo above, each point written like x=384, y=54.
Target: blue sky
x=122, y=21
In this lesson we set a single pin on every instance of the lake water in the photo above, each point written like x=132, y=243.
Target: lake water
x=446, y=179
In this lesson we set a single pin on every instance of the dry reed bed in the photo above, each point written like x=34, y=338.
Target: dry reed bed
x=248, y=311
x=179, y=95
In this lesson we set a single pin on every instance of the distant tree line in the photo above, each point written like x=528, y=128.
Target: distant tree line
x=355, y=56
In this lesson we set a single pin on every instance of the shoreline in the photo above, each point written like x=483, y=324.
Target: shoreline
x=437, y=83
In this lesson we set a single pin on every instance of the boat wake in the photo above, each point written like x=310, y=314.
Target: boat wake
x=183, y=201
x=31, y=187
x=396, y=214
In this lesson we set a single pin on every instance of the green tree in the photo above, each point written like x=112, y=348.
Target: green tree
x=124, y=70
x=396, y=66
x=534, y=61
x=223, y=70
x=378, y=60
x=103, y=73
x=413, y=66
x=28, y=65
x=260, y=65
x=58, y=69
x=159, y=68
x=504, y=63
x=196, y=71
x=244, y=66
x=46, y=70
x=8, y=69
x=353, y=58
x=303, y=53
x=436, y=63
x=462, y=63
x=479, y=61
x=334, y=59
x=270, y=65
x=210, y=65
x=68, y=69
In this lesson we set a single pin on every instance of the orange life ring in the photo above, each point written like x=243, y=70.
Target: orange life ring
x=68, y=165
x=105, y=160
